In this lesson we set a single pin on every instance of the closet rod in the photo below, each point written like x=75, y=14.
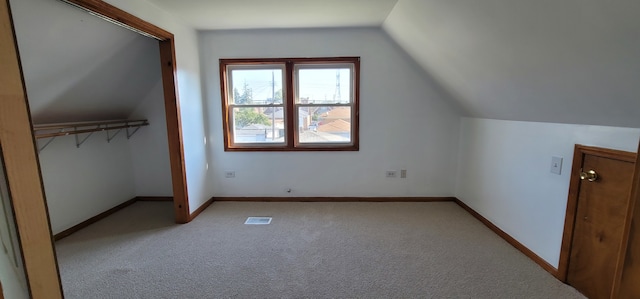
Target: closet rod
x=74, y=127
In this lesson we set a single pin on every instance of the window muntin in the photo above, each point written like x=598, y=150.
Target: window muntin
x=290, y=104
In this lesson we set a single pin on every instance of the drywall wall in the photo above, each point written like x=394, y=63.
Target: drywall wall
x=14, y=283
x=569, y=61
x=405, y=121
x=80, y=183
x=504, y=174
x=13, y=286
x=194, y=125
x=78, y=67
x=149, y=146
x=92, y=70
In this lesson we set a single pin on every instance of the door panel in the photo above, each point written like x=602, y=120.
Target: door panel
x=598, y=231
x=629, y=286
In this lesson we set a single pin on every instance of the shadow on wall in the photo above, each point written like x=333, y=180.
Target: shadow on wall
x=111, y=90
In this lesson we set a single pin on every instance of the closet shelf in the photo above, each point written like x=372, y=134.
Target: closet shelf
x=63, y=129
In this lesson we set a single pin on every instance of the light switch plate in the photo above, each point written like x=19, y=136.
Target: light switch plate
x=556, y=165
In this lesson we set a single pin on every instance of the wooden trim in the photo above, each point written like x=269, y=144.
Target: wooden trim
x=526, y=251
x=289, y=106
x=572, y=201
x=120, y=17
x=201, y=208
x=569, y=220
x=607, y=153
x=317, y=60
x=18, y=148
x=154, y=198
x=65, y=233
x=632, y=214
x=291, y=143
x=172, y=108
x=334, y=199
x=174, y=131
x=225, y=110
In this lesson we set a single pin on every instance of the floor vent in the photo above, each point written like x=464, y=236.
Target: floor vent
x=258, y=220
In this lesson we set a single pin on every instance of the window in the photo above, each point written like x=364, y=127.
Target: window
x=290, y=104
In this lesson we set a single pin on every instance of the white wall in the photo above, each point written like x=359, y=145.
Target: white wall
x=90, y=70
x=504, y=174
x=149, y=147
x=405, y=122
x=80, y=183
x=189, y=94
x=14, y=283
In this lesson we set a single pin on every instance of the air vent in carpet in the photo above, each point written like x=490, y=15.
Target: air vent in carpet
x=258, y=220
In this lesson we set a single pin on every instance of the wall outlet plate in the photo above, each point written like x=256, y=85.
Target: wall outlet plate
x=391, y=173
x=229, y=174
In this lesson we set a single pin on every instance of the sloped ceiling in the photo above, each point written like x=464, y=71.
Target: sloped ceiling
x=570, y=61
x=254, y=14
x=78, y=67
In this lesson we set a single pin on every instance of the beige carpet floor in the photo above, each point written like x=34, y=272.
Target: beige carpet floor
x=310, y=250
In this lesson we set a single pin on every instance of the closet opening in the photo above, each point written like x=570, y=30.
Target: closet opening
x=171, y=105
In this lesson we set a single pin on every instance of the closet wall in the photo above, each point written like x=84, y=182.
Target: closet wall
x=78, y=67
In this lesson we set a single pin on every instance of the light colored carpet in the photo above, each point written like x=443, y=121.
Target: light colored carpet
x=310, y=250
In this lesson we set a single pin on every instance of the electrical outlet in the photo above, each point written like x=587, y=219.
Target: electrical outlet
x=229, y=174
x=403, y=173
x=556, y=165
x=391, y=173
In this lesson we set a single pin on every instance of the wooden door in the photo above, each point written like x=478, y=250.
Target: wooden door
x=600, y=215
x=628, y=280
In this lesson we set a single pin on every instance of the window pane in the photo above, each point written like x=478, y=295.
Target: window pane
x=256, y=86
x=258, y=125
x=324, y=85
x=324, y=124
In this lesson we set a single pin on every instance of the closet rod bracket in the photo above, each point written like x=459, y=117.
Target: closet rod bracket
x=110, y=137
x=46, y=144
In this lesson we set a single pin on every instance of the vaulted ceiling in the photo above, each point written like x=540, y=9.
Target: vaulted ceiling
x=570, y=61
x=78, y=67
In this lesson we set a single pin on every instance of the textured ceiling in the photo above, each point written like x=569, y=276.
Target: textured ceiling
x=251, y=14
x=78, y=67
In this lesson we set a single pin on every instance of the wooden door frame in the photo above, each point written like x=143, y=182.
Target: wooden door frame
x=171, y=103
x=572, y=201
x=23, y=170
x=634, y=203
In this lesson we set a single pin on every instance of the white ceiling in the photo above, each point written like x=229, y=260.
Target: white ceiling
x=251, y=14
x=569, y=61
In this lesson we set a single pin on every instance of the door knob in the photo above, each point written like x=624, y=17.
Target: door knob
x=590, y=175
